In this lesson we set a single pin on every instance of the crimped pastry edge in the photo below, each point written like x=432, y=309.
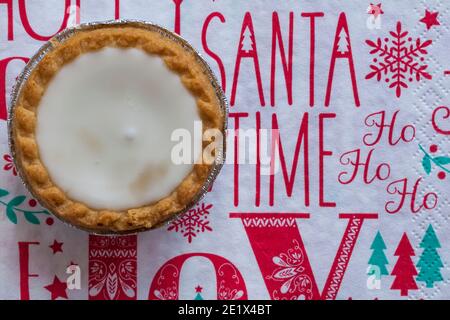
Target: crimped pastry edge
x=178, y=58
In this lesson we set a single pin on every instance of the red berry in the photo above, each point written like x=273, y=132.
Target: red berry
x=441, y=175
x=32, y=203
x=433, y=148
x=49, y=221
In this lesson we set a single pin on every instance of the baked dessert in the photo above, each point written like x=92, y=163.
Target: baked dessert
x=91, y=126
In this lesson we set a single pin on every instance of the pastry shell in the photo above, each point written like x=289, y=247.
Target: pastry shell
x=178, y=56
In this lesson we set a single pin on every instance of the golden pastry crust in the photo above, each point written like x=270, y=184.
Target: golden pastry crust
x=23, y=124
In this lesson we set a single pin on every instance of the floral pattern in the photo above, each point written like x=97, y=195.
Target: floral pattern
x=290, y=271
x=9, y=165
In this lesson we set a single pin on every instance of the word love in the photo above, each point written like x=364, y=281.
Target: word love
x=282, y=259
x=401, y=188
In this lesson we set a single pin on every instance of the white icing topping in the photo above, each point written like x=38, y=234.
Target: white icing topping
x=104, y=127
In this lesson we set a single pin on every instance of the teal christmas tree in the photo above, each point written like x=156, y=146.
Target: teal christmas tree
x=378, y=258
x=198, y=290
x=430, y=262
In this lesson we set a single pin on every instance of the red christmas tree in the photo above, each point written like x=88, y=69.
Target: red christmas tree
x=404, y=270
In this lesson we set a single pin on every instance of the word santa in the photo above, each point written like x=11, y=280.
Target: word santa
x=282, y=49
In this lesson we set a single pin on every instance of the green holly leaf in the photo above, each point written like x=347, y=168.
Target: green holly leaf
x=31, y=218
x=426, y=164
x=442, y=160
x=3, y=192
x=14, y=202
x=10, y=208
x=11, y=215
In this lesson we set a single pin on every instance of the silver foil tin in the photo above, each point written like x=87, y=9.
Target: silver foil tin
x=61, y=38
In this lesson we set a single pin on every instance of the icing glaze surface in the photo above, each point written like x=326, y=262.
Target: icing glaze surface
x=104, y=128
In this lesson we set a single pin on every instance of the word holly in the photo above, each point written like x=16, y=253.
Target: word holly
x=394, y=135
x=400, y=187
x=4, y=63
x=24, y=19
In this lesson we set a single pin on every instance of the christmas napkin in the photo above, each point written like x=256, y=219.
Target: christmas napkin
x=337, y=178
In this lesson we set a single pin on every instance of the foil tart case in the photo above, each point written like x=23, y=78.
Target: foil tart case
x=68, y=33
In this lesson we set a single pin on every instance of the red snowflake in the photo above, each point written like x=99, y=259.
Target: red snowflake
x=400, y=59
x=192, y=222
x=9, y=164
